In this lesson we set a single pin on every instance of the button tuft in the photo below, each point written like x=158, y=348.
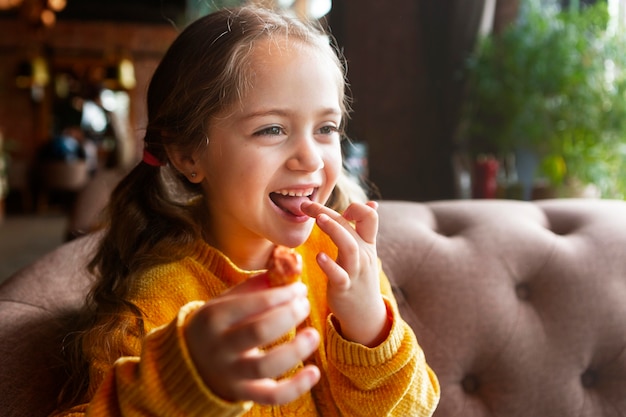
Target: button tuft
x=470, y=384
x=589, y=378
x=522, y=291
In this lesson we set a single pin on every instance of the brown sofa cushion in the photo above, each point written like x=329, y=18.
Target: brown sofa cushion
x=37, y=309
x=520, y=307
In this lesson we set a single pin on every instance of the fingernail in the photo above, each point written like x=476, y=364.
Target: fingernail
x=312, y=337
x=323, y=218
x=300, y=289
x=304, y=306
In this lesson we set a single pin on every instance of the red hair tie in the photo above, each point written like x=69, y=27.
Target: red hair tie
x=151, y=160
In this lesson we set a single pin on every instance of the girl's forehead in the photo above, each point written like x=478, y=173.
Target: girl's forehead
x=275, y=47
x=279, y=75
x=272, y=50
x=270, y=55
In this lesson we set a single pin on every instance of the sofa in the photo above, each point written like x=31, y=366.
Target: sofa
x=520, y=307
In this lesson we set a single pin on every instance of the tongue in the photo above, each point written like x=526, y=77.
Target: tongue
x=289, y=204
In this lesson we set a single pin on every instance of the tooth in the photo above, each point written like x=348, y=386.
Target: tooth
x=291, y=193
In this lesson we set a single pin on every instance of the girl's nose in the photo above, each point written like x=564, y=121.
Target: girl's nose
x=307, y=154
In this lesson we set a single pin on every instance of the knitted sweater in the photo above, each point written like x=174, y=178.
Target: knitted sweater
x=154, y=375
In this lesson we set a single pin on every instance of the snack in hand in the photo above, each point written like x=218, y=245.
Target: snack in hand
x=284, y=266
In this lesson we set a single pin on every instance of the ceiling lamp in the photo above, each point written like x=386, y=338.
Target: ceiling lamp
x=47, y=18
x=9, y=4
x=120, y=76
x=37, y=12
x=32, y=73
x=56, y=5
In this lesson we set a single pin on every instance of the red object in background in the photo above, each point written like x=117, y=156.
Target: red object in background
x=484, y=182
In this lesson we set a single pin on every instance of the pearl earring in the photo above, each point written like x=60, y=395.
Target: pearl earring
x=193, y=175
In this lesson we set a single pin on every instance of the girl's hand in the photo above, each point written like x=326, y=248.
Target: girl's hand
x=353, y=282
x=225, y=334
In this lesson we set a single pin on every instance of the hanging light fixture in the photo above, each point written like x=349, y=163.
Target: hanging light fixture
x=47, y=15
x=9, y=4
x=47, y=18
x=32, y=73
x=120, y=75
x=36, y=12
x=24, y=76
x=57, y=5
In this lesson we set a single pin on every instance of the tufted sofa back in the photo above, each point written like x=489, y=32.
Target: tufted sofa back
x=520, y=307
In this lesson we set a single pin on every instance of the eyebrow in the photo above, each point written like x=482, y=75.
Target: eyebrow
x=282, y=112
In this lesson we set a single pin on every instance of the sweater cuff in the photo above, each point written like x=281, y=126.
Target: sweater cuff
x=178, y=372
x=345, y=352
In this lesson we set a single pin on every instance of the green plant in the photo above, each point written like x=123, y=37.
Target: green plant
x=553, y=83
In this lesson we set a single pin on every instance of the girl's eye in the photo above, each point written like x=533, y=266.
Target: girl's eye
x=270, y=131
x=328, y=130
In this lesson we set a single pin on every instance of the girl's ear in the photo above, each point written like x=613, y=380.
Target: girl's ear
x=186, y=164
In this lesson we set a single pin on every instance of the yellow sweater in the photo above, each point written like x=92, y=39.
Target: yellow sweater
x=155, y=375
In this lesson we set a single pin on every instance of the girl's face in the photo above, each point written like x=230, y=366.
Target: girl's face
x=276, y=149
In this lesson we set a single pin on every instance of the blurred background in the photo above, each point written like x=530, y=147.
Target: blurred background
x=452, y=99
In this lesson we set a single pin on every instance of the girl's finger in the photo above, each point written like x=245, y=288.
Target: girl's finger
x=342, y=233
x=252, y=284
x=266, y=327
x=372, y=204
x=365, y=218
x=282, y=358
x=338, y=278
x=344, y=238
x=315, y=210
x=232, y=308
x=270, y=391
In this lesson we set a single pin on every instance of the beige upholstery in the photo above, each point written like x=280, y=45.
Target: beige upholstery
x=520, y=307
x=91, y=201
x=62, y=176
x=66, y=176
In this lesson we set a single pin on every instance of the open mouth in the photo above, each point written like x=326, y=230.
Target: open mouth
x=290, y=201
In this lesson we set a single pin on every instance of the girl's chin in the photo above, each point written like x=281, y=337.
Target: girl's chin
x=297, y=235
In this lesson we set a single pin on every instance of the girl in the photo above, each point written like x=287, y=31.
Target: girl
x=242, y=153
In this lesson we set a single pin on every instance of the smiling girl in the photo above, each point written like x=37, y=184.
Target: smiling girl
x=242, y=153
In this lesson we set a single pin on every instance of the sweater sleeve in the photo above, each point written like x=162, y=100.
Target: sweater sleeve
x=392, y=379
x=161, y=381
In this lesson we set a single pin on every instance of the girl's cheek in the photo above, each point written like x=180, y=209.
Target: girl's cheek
x=337, y=162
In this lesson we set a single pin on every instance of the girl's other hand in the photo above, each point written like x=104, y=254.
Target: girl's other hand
x=225, y=334
x=353, y=278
